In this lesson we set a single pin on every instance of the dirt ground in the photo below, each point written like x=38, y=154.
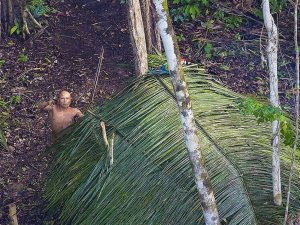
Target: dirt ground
x=65, y=55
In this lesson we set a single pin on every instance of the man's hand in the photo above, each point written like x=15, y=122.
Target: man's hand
x=79, y=114
x=51, y=103
x=46, y=105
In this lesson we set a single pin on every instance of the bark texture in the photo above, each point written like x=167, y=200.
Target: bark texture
x=156, y=41
x=151, y=33
x=145, y=10
x=202, y=180
x=11, y=11
x=297, y=219
x=14, y=12
x=272, y=49
x=137, y=37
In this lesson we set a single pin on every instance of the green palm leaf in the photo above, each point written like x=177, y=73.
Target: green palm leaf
x=151, y=179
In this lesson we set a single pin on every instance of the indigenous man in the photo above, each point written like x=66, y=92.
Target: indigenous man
x=61, y=115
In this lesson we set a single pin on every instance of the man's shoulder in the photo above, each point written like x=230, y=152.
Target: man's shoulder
x=73, y=110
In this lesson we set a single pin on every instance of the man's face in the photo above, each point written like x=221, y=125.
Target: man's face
x=65, y=99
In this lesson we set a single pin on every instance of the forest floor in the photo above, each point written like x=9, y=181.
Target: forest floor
x=65, y=55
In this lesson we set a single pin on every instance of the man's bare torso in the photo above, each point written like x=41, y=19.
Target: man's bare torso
x=61, y=114
x=61, y=118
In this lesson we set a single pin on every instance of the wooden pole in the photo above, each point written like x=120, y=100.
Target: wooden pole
x=12, y=214
x=98, y=72
x=104, y=135
x=111, y=150
x=202, y=180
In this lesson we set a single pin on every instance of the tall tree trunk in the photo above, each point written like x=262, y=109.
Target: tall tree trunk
x=0, y=19
x=202, y=180
x=272, y=49
x=151, y=33
x=15, y=11
x=297, y=86
x=145, y=9
x=137, y=37
x=156, y=42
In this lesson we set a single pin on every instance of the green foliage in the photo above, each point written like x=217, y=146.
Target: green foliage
x=38, y=8
x=3, y=141
x=238, y=36
x=267, y=113
x=15, y=99
x=22, y=58
x=275, y=5
x=208, y=48
x=189, y=9
x=15, y=29
x=4, y=116
x=4, y=113
x=3, y=104
x=232, y=21
x=151, y=180
x=258, y=13
x=219, y=15
x=155, y=61
x=2, y=62
x=180, y=37
x=208, y=25
x=225, y=67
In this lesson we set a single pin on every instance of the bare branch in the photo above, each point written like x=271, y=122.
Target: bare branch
x=104, y=135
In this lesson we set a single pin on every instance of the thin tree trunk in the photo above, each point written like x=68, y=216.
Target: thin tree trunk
x=0, y=19
x=4, y=17
x=137, y=37
x=156, y=42
x=145, y=9
x=151, y=33
x=272, y=49
x=202, y=180
x=10, y=13
x=296, y=109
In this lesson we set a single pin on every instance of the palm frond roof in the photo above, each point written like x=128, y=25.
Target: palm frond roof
x=151, y=180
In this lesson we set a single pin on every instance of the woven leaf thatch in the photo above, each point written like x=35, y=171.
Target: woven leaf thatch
x=151, y=180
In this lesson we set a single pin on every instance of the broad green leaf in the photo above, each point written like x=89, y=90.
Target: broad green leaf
x=14, y=29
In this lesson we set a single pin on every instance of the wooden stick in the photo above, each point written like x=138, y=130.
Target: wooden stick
x=13, y=214
x=296, y=110
x=111, y=150
x=98, y=72
x=35, y=22
x=104, y=135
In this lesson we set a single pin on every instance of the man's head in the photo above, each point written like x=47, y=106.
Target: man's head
x=64, y=99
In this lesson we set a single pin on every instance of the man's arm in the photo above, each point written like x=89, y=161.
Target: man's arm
x=47, y=106
x=79, y=114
